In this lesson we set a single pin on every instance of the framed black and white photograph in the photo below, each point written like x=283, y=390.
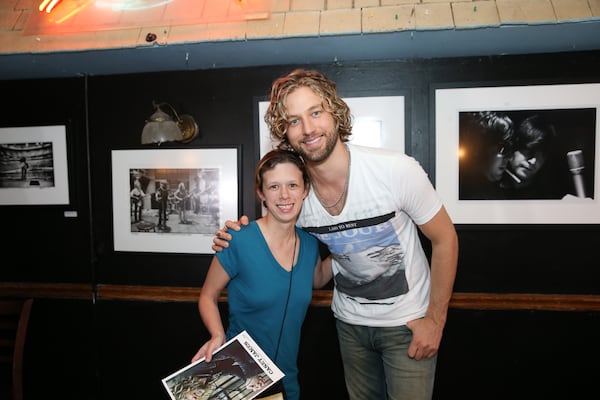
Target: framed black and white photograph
x=519, y=154
x=173, y=201
x=378, y=121
x=33, y=165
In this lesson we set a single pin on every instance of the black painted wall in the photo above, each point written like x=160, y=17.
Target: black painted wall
x=119, y=349
x=44, y=245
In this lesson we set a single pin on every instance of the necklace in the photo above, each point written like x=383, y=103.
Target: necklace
x=294, y=251
x=287, y=300
x=341, y=196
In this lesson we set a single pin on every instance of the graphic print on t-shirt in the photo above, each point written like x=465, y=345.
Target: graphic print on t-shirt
x=370, y=257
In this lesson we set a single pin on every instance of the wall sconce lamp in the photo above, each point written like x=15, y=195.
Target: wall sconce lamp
x=161, y=127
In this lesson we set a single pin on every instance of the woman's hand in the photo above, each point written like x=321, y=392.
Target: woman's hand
x=209, y=348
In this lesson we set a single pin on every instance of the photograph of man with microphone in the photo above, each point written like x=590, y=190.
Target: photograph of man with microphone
x=546, y=154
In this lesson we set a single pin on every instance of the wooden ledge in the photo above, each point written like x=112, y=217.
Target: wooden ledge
x=46, y=290
x=321, y=298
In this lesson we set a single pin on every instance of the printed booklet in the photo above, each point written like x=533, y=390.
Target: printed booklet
x=238, y=370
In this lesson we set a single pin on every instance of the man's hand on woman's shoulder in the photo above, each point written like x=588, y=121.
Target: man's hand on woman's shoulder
x=222, y=238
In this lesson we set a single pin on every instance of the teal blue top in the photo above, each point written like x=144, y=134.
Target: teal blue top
x=258, y=293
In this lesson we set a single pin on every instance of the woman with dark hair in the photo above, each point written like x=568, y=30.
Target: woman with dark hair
x=269, y=271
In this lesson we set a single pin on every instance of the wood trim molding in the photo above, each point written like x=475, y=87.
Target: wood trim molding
x=157, y=293
x=525, y=301
x=46, y=290
x=321, y=298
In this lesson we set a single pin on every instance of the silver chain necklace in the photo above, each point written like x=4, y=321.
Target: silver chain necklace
x=341, y=196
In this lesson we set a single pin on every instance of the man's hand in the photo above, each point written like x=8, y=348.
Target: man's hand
x=222, y=238
x=427, y=335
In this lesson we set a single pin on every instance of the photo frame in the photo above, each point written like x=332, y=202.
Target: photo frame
x=34, y=166
x=378, y=121
x=172, y=200
x=572, y=110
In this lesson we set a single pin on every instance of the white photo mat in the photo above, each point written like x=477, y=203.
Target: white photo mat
x=223, y=159
x=56, y=192
x=450, y=102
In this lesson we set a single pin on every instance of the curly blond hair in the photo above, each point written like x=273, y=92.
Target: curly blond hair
x=276, y=115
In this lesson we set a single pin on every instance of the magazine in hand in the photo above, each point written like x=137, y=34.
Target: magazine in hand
x=238, y=370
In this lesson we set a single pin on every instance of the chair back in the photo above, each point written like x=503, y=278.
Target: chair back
x=14, y=319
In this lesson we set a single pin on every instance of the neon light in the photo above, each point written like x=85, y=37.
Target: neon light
x=69, y=13
x=48, y=5
x=51, y=6
x=43, y=5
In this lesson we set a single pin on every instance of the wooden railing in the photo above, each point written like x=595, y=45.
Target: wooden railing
x=321, y=298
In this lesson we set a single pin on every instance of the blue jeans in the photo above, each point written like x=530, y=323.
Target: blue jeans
x=377, y=366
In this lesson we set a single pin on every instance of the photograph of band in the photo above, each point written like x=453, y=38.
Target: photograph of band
x=174, y=200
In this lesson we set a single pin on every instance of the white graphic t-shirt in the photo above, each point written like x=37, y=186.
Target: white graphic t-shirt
x=380, y=269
